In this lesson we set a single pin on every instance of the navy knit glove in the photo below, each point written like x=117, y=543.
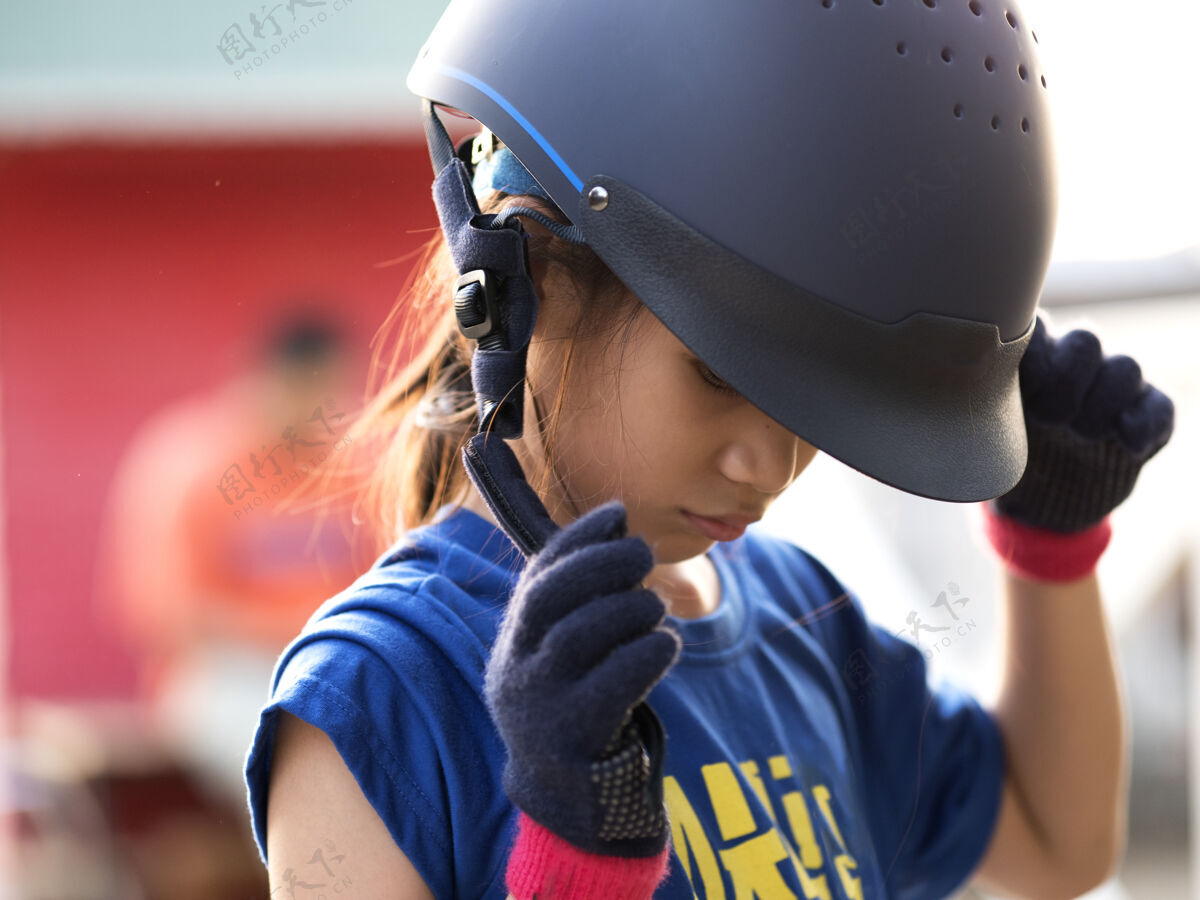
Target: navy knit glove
x=580, y=647
x=1092, y=424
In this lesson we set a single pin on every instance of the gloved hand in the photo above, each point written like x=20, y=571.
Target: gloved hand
x=580, y=647
x=1092, y=424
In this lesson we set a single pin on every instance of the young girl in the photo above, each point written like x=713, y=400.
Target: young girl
x=717, y=238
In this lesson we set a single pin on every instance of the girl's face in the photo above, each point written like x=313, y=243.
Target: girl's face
x=644, y=421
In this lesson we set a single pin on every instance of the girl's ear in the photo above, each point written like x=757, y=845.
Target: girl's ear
x=538, y=269
x=555, y=290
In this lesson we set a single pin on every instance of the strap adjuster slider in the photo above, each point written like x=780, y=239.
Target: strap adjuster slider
x=475, y=304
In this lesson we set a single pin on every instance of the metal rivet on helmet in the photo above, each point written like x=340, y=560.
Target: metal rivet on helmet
x=598, y=198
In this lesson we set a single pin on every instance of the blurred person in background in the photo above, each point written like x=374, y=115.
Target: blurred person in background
x=205, y=570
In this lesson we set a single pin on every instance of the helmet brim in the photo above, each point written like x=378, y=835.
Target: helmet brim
x=930, y=405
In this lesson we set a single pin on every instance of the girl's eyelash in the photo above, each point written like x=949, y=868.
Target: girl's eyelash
x=714, y=380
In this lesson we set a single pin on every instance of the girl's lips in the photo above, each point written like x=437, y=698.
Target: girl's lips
x=716, y=529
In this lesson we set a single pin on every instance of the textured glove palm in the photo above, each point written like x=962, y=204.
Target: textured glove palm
x=1092, y=424
x=580, y=647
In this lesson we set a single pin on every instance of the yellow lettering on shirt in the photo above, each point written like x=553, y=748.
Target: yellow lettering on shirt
x=754, y=866
x=780, y=767
x=844, y=861
x=729, y=803
x=810, y=851
x=821, y=795
x=796, y=811
x=753, y=861
x=852, y=885
x=750, y=770
x=689, y=839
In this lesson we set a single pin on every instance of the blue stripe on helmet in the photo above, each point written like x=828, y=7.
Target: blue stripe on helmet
x=491, y=93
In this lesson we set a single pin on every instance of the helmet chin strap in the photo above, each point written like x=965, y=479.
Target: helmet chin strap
x=496, y=305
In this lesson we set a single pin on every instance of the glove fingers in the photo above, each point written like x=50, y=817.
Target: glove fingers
x=1146, y=426
x=1067, y=371
x=596, y=569
x=604, y=523
x=586, y=636
x=626, y=676
x=1035, y=364
x=1116, y=387
x=572, y=581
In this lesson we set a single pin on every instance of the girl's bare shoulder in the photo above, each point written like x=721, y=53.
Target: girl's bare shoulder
x=320, y=827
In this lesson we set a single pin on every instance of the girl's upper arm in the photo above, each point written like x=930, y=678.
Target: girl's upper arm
x=321, y=831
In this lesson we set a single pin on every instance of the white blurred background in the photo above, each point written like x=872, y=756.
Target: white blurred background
x=315, y=132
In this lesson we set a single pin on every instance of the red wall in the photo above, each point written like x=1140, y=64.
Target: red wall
x=130, y=275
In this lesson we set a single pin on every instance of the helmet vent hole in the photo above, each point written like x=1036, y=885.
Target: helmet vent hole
x=932, y=4
x=1043, y=81
x=995, y=123
x=878, y=2
x=902, y=48
x=1035, y=40
x=828, y=4
x=1023, y=72
x=975, y=7
x=959, y=111
x=1012, y=20
x=947, y=55
x=989, y=64
x=1025, y=125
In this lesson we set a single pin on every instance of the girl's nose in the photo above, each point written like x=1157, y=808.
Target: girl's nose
x=761, y=454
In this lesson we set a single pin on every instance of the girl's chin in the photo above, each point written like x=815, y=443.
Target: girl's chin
x=678, y=548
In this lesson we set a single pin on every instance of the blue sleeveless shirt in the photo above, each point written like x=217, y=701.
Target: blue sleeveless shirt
x=807, y=757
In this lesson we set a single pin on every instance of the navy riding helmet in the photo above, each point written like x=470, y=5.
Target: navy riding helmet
x=845, y=208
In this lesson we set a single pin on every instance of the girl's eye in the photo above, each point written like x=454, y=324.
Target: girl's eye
x=715, y=380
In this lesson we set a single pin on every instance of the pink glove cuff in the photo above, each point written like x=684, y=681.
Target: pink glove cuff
x=542, y=865
x=1042, y=555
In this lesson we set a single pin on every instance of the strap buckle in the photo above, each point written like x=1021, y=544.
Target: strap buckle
x=475, y=304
